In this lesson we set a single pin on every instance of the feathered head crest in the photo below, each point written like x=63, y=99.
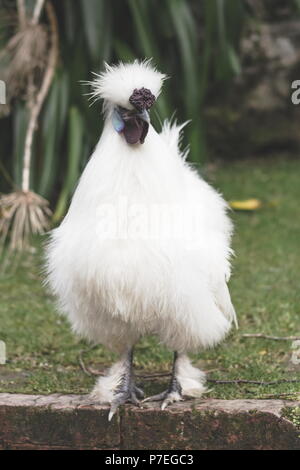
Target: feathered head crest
x=118, y=83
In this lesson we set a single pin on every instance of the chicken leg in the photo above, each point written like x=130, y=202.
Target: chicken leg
x=126, y=391
x=173, y=392
x=118, y=386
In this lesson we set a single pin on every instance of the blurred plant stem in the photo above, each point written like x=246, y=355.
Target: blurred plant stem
x=35, y=103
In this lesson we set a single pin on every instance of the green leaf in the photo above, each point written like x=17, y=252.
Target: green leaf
x=185, y=32
x=123, y=51
x=49, y=137
x=96, y=20
x=297, y=3
x=227, y=64
x=75, y=146
x=233, y=60
x=141, y=13
x=54, y=119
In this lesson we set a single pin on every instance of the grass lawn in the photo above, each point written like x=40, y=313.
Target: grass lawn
x=43, y=354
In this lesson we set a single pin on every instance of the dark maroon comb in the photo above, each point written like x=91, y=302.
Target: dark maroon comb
x=142, y=99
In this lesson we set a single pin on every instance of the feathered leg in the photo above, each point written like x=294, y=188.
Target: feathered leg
x=186, y=380
x=118, y=386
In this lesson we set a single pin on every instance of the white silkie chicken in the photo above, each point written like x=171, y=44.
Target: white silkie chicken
x=145, y=245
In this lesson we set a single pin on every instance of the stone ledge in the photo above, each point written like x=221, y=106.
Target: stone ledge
x=72, y=422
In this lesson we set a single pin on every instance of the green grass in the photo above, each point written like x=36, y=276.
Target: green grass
x=43, y=353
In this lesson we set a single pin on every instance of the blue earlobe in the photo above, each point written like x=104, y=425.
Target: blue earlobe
x=117, y=121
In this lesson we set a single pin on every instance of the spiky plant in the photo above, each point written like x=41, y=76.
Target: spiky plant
x=24, y=212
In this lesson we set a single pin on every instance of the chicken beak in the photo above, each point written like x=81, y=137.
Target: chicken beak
x=144, y=122
x=134, y=126
x=144, y=116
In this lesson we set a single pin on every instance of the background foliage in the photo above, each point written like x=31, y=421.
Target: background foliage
x=196, y=43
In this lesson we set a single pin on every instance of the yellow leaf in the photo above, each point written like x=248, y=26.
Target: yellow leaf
x=246, y=205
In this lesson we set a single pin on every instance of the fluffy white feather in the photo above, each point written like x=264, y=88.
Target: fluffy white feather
x=116, y=84
x=190, y=378
x=115, y=280
x=172, y=134
x=106, y=385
